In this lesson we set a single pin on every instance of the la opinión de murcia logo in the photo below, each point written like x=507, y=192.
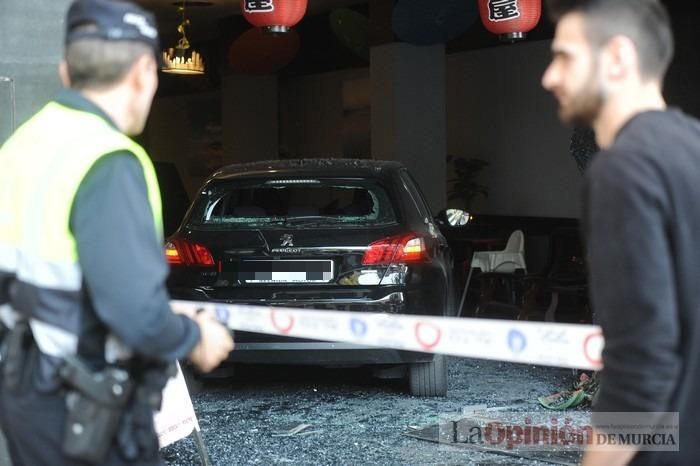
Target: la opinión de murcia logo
x=556, y=433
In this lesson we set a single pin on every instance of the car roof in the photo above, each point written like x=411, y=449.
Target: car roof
x=308, y=167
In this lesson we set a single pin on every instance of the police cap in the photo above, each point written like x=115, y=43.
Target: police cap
x=111, y=20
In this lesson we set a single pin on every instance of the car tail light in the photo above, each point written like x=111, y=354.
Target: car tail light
x=396, y=249
x=182, y=252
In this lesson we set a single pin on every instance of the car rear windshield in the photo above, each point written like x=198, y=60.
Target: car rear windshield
x=293, y=202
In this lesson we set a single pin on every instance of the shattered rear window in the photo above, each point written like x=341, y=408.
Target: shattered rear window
x=291, y=202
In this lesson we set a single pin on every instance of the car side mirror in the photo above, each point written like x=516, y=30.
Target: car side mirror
x=453, y=217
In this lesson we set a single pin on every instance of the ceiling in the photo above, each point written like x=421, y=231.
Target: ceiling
x=216, y=24
x=205, y=15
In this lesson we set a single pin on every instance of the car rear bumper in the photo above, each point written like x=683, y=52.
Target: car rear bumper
x=321, y=353
x=257, y=348
x=389, y=299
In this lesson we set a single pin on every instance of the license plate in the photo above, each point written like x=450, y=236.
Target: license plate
x=286, y=271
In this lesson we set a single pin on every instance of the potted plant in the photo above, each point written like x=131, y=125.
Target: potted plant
x=464, y=184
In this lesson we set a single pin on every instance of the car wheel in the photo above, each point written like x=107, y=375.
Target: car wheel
x=428, y=378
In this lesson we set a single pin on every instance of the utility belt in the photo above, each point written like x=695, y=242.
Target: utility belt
x=112, y=406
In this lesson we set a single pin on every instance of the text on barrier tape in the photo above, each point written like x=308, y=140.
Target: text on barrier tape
x=551, y=344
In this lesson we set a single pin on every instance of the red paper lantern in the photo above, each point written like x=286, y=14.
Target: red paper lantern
x=510, y=19
x=273, y=15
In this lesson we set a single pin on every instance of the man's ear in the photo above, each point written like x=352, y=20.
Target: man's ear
x=63, y=73
x=144, y=67
x=622, y=57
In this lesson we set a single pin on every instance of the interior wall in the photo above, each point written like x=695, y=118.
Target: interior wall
x=31, y=63
x=497, y=111
x=408, y=113
x=249, y=118
x=490, y=93
x=681, y=83
x=184, y=130
x=312, y=112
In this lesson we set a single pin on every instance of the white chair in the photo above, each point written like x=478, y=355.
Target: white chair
x=509, y=260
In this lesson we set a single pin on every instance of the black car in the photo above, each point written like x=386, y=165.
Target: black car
x=335, y=234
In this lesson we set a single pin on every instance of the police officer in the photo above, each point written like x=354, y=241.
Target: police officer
x=81, y=261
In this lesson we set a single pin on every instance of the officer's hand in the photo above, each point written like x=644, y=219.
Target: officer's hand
x=215, y=343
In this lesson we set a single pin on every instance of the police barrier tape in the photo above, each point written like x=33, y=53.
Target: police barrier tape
x=551, y=344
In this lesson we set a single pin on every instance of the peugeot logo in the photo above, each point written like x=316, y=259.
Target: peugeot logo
x=287, y=240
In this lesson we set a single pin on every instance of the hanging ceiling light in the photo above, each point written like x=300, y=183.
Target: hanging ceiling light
x=182, y=59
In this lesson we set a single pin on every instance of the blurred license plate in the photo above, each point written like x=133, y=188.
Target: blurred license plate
x=286, y=271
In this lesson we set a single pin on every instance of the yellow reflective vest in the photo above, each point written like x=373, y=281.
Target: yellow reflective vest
x=41, y=168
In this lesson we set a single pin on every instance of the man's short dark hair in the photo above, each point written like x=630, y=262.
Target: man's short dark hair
x=104, y=38
x=95, y=63
x=645, y=22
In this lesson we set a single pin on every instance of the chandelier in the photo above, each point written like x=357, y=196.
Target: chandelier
x=182, y=59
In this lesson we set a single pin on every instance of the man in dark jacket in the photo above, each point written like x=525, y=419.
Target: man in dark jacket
x=641, y=215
